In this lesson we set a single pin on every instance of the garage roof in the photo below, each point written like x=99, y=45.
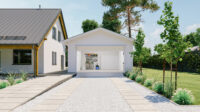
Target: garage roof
x=96, y=30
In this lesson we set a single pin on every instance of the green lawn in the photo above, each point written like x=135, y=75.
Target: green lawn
x=190, y=81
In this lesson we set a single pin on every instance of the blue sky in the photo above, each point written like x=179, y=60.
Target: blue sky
x=75, y=11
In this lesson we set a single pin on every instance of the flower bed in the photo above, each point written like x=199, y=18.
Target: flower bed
x=180, y=96
x=12, y=79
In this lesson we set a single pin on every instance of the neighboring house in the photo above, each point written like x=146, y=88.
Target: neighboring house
x=99, y=50
x=30, y=40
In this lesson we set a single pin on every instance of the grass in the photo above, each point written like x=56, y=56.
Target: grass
x=190, y=81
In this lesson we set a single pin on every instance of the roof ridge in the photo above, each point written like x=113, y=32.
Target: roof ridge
x=30, y=9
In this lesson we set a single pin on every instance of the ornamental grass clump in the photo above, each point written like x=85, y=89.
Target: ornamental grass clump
x=169, y=89
x=158, y=87
x=24, y=76
x=148, y=82
x=183, y=97
x=3, y=85
x=11, y=79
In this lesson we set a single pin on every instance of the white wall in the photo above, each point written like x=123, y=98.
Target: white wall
x=7, y=63
x=45, y=56
x=100, y=39
x=51, y=45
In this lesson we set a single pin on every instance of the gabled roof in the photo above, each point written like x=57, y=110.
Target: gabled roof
x=27, y=26
x=96, y=30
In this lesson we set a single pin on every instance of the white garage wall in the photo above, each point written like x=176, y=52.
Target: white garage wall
x=99, y=38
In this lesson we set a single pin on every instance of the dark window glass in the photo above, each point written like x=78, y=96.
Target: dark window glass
x=22, y=57
x=59, y=36
x=54, y=33
x=54, y=61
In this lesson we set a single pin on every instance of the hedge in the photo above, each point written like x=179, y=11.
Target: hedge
x=190, y=62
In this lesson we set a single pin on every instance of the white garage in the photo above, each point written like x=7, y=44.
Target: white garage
x=99, y=50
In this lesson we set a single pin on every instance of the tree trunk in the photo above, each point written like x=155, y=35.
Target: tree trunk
x=176, y=76
x=171, y=71
x=141, y=67
x=129, y=22
x=164, y=62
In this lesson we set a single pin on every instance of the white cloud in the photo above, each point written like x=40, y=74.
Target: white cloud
x=157, y=32
x=191, y=28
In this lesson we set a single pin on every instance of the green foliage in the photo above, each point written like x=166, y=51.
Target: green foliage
x=158, y=87
x=169, y=89
x=88, y=25
x=133, y=76
x=175, y=45
x=3, y=85
x=141, y=54
x=18, y=81
x=24, y=76
x=139, y=79
x=193, y=37
x=11, y=78
x=132, y=17
x=127, y=73
x=111, y=23
x=148, y=82
x=183, y=97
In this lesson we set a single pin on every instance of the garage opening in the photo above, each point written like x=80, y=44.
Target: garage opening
x=100, y=59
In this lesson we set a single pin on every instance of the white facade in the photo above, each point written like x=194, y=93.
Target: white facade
x=45, y=56
x=100, y=47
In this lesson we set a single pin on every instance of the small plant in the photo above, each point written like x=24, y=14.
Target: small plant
x=169, y=89
x=3, y=85
x=139, y=78
x=143, y=78
x=133, y=76
x=127, y=74
x=183, y=97
x=11, y=79
x=148, y=82
x=18, y=81
x=24, y=76
x=158, y=87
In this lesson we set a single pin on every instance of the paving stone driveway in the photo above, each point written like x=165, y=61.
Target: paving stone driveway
x=101, y=94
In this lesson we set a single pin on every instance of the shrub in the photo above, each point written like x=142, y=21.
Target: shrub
x=139, y=78
x=11, y=79
x=143, y=78
x=3, y=85
x=127, y=74
x=169, y=89
x=158, y=87
x=24, y=76
x=183, y=97
x=18, y=81
x=148, y=83
x=133, y=76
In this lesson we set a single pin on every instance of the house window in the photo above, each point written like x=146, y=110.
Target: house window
x=54, y=60
x=54, y=33
x=22, y=57
x=59, y=36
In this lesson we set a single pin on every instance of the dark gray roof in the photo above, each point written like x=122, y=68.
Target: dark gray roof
x=25, y=26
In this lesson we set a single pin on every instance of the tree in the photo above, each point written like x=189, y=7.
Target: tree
x=130, y=10
x=193, y=37
x=88, y=25
x=110, y=23
x=141, y=54
x=161, y=50
x=175, y=45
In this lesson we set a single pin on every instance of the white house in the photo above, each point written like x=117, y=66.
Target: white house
x=99, y=50
x=31, y=40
